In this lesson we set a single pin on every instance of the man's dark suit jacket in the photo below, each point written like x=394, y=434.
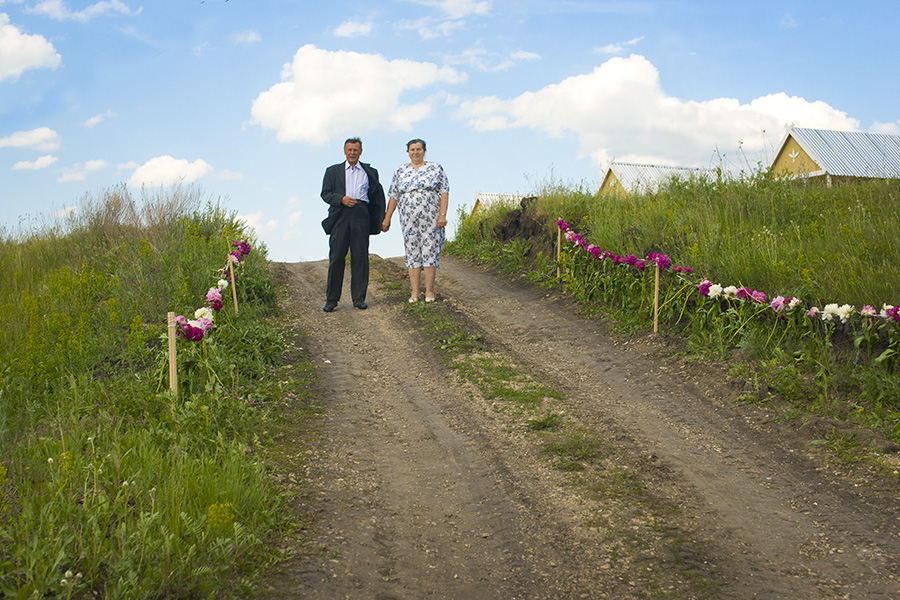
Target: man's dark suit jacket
x=334, y=188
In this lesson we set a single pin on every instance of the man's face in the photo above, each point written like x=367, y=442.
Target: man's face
x=352, y=150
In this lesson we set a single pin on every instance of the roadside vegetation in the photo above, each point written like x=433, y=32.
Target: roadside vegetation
x=791, y=284
x=111, y=484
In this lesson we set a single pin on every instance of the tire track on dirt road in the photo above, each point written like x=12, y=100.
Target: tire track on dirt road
x=783, y=524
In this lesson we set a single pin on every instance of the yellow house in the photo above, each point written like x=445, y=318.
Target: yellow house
x=484, y=200
x=826, y=156
x=624, y=177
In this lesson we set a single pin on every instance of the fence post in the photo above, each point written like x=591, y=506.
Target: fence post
x=558, y=246
x=656, y=302
x=173, y=368
x=233, y=289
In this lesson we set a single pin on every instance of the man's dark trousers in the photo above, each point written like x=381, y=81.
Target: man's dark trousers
x=351, y=232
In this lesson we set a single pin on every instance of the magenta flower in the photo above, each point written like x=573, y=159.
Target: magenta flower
x=235, y=257
x=562, y=225
x=630, y=260
x=243, y=248
x=659, y=259
x=704, y=286
x=758, y=297
x=570, y=235
x=640, y=265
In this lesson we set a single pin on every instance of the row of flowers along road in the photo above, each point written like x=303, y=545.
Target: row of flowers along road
x=195, y=329
x=780, y=304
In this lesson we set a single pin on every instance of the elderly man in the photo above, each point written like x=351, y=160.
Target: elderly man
x=356, y=209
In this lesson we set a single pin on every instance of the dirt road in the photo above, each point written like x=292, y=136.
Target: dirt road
x=423, y=490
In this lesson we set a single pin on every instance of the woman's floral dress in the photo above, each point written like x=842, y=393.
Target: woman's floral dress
x=418, y=195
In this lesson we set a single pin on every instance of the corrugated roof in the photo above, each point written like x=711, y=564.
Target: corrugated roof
x=851, y=153
x=637, y=177
x=485, y=199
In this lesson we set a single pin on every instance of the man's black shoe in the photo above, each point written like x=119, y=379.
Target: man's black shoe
x=360, y=304
x=329, y=306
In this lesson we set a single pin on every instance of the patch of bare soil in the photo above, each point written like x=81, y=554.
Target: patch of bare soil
x=423, y=490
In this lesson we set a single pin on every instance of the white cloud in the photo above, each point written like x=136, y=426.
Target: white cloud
x=788, y=21
x=246, y=37
x=57, y=9
x=458, y=9
x=20, y=51
x=41, y=163
x=257, y=222
x=65, y=212
x=618, y=47
x=166, y=170
x=99, y=118
x=886, y=128
x=429, y=29
x=78, y=172
x=227, y=175
x=325, y=95
x=619, y=110
x=42, y=138
x=484, y=60
x=350, y=29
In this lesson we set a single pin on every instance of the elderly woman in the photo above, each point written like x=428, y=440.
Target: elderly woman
x=421, y=191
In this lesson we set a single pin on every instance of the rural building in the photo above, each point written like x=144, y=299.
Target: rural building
x=624, y=178
x=484, y=200
x=827, y=157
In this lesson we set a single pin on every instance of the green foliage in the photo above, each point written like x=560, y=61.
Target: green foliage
x=112, y=486
x=819, y=245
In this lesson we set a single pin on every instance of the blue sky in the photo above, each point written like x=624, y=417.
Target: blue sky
x=250, y=101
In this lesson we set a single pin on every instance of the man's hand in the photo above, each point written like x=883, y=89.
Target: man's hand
x=348, y=201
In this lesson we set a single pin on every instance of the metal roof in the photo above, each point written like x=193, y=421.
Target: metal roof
x=850, y=153
x=638, y=177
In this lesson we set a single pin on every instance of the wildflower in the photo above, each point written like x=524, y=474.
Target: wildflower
x=704, y=286
x=659, y=259
x=830, y=312
x=204, y=312
x=778, y=303
x=844, y=312
x=243, y=248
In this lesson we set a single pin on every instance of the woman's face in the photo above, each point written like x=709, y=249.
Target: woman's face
x=416, y=153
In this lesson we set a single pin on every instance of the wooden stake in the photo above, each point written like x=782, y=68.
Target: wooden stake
x=173, y=368
x=656, y=302
x=558, y=248
x=233, y=289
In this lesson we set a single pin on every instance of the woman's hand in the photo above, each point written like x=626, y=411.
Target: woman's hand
x=386, y=224
x=442, y=221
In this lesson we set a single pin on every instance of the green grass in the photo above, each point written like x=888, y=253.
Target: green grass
x=111, y=485
x=819, y=245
